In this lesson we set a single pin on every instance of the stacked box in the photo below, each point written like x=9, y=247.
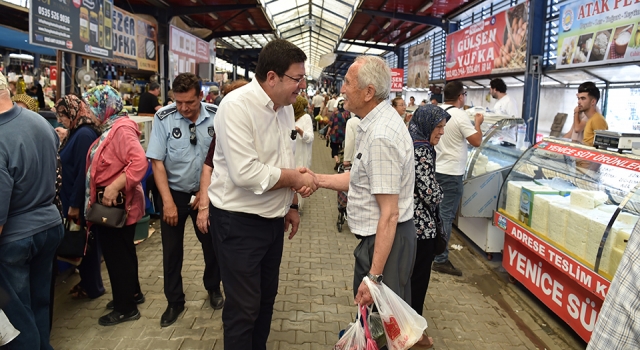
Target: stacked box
x=540, y=212
x=528, y=198
x=558, y=220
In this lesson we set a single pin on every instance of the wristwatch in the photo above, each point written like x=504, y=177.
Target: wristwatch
x=294, y=206
x=375, y=278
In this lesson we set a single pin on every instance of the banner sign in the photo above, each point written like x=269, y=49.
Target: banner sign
x=548, y=282
x=79, y=26
x=134, y=41
x=418, y=67
x=598, y=32
x=397, y=79
x=185, y=52
x=592, y=156
x=497, y=44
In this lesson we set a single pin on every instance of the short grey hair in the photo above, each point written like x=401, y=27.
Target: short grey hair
x=374, y=71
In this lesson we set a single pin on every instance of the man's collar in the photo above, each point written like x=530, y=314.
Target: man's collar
x=261, y=96
x=373, y=115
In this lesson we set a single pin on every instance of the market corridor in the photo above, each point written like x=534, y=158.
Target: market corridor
x=315, y=301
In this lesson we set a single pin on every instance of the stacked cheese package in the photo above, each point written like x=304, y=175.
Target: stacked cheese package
x=514, y=191
x=617, y=242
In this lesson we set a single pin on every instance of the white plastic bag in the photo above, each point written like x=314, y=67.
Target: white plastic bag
x=353, y=338
x=7, y=332
x=402, y=325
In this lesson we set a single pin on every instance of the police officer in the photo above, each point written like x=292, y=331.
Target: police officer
x=180, y=138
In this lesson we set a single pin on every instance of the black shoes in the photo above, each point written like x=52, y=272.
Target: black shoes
x=446, y=267
x=216, y=300
x=171, y=315
x=139, y=298
x=114, y=317
x=336, y=167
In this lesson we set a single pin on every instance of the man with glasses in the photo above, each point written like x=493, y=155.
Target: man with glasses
x=180, y=138
x=451, y=159
x=252, y=191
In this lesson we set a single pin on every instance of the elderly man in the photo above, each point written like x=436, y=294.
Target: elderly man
x=251, y=191
x=30, y=224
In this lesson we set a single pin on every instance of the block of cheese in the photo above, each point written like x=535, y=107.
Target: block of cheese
x=588, y=199
x=627, y=219
x=558, y=221
x=540, y=212
x=597, y=225
x=621, y=236
x=514, y=189
x=528, y=198
x=616, y=257
x=577, y=231
x=617, y=236
x=607, y=208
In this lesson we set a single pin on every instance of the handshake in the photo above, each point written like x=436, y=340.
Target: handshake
x=306, y=182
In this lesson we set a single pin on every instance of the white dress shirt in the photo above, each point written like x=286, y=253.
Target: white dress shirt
x=383, y=164
x=451, y=151
x=304, y=144
x=253, y=143
x=508, y=106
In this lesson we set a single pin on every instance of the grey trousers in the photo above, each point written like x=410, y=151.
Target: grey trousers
x=399, y=267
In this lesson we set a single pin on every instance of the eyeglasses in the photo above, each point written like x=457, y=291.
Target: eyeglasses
x=193, y=138
x=464, y=93
x=296, y=80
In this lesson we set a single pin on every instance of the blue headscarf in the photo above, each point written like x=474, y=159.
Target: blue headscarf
x=424, y=121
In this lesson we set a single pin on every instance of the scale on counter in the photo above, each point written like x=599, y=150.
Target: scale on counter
x=615, y=139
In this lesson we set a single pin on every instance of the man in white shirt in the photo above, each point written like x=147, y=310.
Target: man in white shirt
x=317, y=103
x=332, y=104
x=251, y=191
x=506, y=105
x=451, y=159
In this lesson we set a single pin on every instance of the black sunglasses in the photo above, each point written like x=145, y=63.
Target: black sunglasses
x=193, y=138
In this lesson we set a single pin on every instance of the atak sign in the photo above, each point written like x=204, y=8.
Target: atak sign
x=80, y=26
x=598, y=33
x=495, y=45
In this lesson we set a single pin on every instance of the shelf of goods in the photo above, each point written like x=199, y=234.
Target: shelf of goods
x=486, y=169
x=568, y=211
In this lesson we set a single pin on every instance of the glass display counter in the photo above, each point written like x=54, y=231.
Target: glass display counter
x=568, y=211
x=486, y=169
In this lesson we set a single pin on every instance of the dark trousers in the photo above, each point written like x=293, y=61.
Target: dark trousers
x=316, y=111
x=452, y=188
x=89, y=268
x=249, y=250
x=173, y=251
x=425, y=253
x=122, y=264
x=397, y=270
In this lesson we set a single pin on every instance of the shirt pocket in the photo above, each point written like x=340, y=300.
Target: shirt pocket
x=178, y=149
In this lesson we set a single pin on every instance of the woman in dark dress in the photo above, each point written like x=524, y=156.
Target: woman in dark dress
x=82, y=128
x=426, y=128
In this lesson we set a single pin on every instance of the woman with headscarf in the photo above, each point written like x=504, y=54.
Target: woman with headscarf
x=82, y=128
x=337, y=127
x=426, y=128
x=304, y=137
x=116, y=164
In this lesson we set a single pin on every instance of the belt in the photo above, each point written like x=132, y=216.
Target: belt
x=373, y=235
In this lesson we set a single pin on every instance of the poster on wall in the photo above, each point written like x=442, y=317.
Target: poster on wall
x=185, y=52
x=597, y=33
x=78, y=26
x=418, y=67
x=397, y=79
x=497, y=44
x=134, y=41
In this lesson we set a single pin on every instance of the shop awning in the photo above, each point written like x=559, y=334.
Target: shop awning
x=15, y=39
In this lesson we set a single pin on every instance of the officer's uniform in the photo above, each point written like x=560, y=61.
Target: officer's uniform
x=171, y=143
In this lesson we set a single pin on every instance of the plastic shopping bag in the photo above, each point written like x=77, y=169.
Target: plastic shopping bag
x=371, y=344
x=353, y=338
x=402, y=325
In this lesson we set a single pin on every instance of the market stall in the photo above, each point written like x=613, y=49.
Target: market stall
x=568, y=211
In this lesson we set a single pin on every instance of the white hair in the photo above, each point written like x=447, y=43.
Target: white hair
x=374, y=71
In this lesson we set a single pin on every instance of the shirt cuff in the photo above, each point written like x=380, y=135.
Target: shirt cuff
x=271, y=180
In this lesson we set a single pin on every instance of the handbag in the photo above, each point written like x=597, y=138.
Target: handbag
x=74, y=242
x=324, y=130
x=441, y=237
x=114, y=217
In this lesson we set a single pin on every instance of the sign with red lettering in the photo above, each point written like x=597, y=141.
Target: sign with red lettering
x=186, y=51
x=397, y=79
x=495, y=45
x=596, y=156
x=578, y=307
x=598, y=32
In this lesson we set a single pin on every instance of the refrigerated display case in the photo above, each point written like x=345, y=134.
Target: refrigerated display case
x=487, y=167
x=568, y=211
x=144, y=124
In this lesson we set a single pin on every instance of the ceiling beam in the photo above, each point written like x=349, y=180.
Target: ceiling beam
x=195, y=10
x=371, y=46
x=428, y=20
x=236, y=33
